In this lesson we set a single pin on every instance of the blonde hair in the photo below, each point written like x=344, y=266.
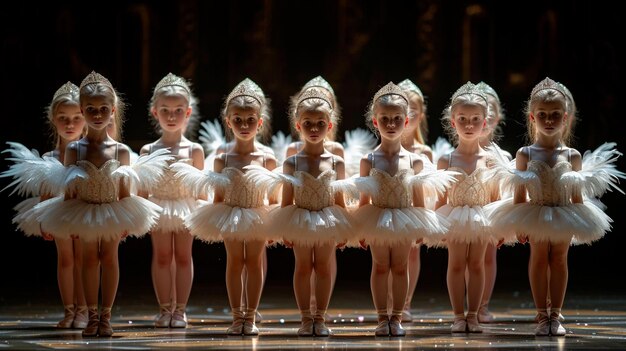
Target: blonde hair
x=248, y=102
x=335, y=117
x=99, y=89
x=546, y=96
x=470, y=99
x=71, y=97
x=176, y=91
x=422, y=127
x=388, y=100
x=313, y=105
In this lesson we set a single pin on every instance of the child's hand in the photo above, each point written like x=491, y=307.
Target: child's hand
x=522, y=238
x=363, y=244
x=47, y=236
x=288, y=243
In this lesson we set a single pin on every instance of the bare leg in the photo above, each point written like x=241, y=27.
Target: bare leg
x=162, y=279
x=302, y=287
x=490, y=281
x=235, y=258
x=457, y=263
x=475, y=284
x=81, y=317
x=414, y=272
x=183, y=243
x=65, y=278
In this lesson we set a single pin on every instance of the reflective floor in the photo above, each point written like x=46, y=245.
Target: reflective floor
x=593, y=321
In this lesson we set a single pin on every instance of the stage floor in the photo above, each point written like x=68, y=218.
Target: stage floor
x=593, y=321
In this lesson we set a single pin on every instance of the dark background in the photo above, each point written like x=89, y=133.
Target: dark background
x=357, y=46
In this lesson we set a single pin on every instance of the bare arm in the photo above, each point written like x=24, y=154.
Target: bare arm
x=442, y=163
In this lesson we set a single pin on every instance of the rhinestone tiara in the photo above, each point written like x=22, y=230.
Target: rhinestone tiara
x=318, y=82
x=173, y=80
x=545, y=84
x=246, y=88
x=67, y=88
x=313, y=93
x=95, y=78
x=390, y=89
x=469, y=88
x=487, y=89
x=408, y=85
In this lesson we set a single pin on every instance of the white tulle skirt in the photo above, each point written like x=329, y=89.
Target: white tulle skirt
x=468, y=224
x=580, y=223
x=26, y=217
x=309, y=228
x=390, y=226
x=174, y=213
x=216, y=222
x=90, y=222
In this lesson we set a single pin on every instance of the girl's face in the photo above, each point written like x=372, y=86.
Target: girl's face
x=244, y=122
x=98, y=111
x=390, y=121
x=493, y=119
x=172, y=112
x=68, y=121
x=549, y=118
x=416, y=114
x=313, y=126
x=469, y=121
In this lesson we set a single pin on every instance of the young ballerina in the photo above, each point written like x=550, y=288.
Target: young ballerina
x=391, y=210
x=413, y=140
x=551, y=209
x=312, y=218
x=469, y=233
x=238, y=213
x=170, y=109
x=45, y=176
x=98, y=206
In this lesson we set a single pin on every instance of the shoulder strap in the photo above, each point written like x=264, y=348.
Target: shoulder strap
x=373, y=158
x=449, y=160
x=528, y=149
x=569, y=155
x=333, y=158
x=117, y=148
x=264, y=158
x=225, y=159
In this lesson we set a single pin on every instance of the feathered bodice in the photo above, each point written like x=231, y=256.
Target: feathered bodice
x=99, y=185
x=243, y=192
x=392, y=191
x=315, y=193
x=550, y=191
x=470, y=189
x=171, y=187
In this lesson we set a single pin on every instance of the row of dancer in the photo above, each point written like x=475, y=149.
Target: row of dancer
x=395, y=185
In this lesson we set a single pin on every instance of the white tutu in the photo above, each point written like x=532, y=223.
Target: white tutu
x=388, y=226
x=174, y=212
x=579, y=223
x=303, y=227
x=106, y=221
x=216, y=222
x=468, y=224
x=26, y=218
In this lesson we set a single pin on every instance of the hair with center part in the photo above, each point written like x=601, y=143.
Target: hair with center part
x=247, y=102
x=335, y=117
x=106, y=91
x=314, y=105
x=69, y=98
x=422, y=127
x=389, y=100
x=546, y=96
x=176, y=91
x=461, y=101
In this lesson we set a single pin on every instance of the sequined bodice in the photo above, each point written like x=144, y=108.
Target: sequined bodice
x=550, y=193
x=171, y=187
x=392, y=192
x=99, y=186
x=315, y=193
x=242, y=192
x=470, y=189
